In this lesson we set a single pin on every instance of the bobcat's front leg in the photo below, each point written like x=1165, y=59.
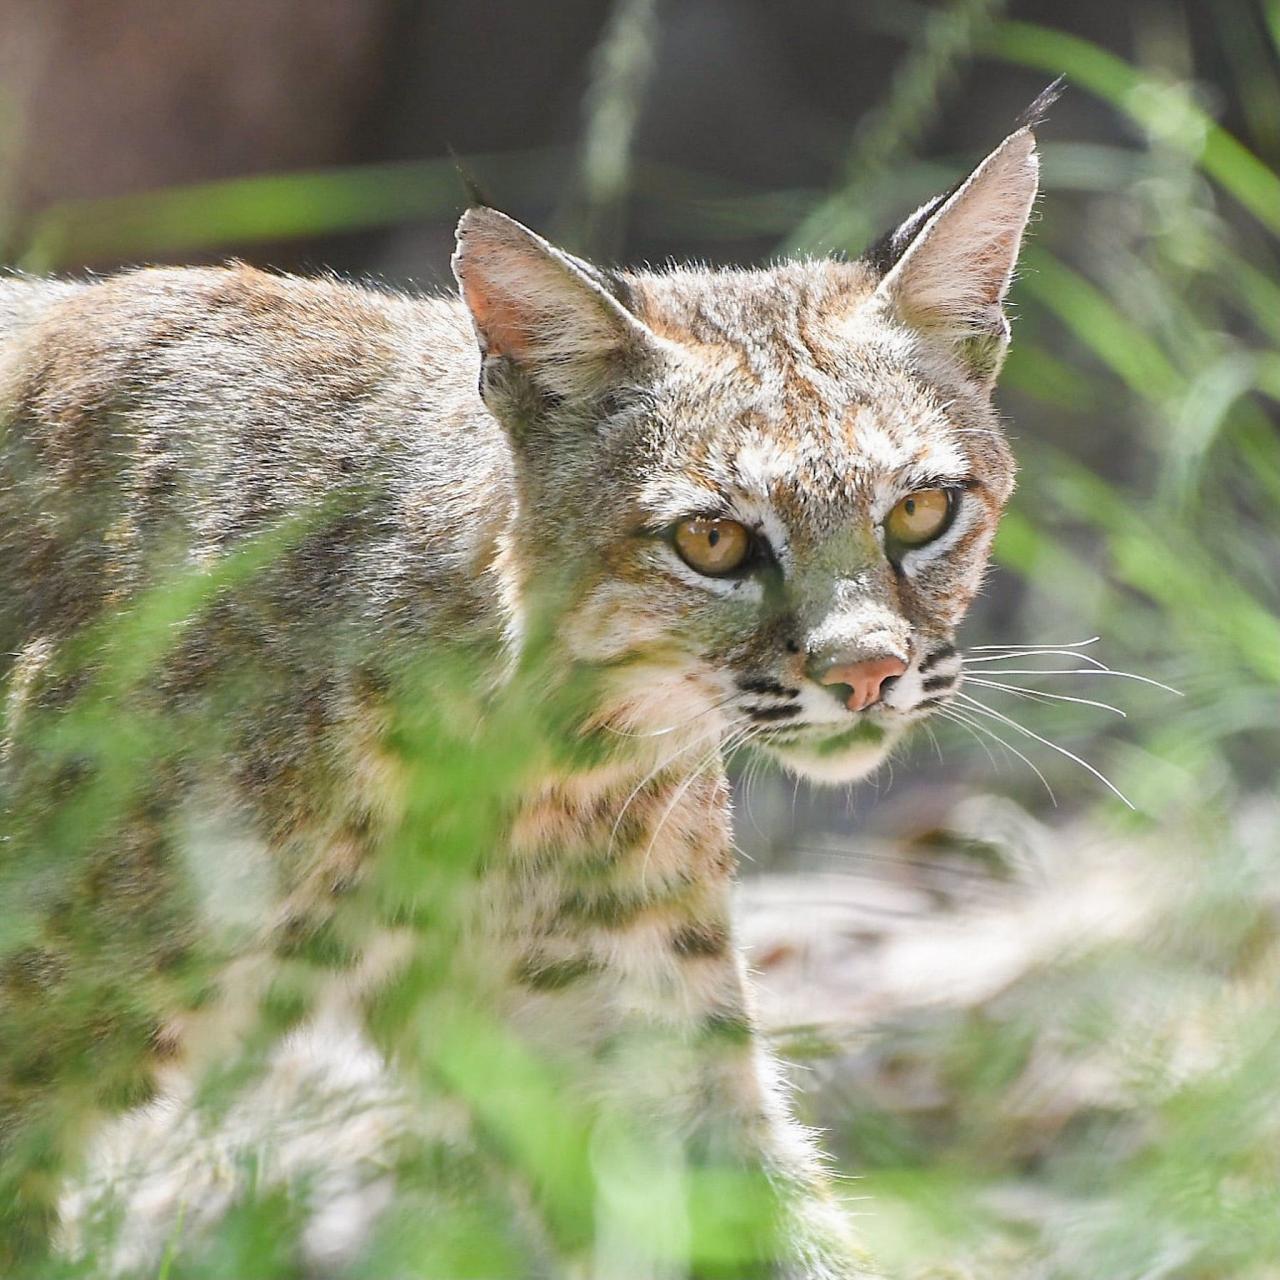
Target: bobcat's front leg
x=616, y=918
x=694, y=1128
x=747, y=1118
x=817, y=1241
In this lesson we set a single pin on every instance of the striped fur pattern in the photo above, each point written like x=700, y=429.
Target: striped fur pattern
x=520, y=455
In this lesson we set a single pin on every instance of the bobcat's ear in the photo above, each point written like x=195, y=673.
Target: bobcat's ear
x=541, y=311
x=948, y=267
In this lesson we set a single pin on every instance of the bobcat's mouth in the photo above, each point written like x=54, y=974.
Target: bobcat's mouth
x=821, y=737
x=809, y=736
x=828, y=753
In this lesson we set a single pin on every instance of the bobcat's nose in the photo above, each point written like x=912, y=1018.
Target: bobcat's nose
x=859, y=683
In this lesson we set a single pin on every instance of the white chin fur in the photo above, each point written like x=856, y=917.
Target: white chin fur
x=832, y=763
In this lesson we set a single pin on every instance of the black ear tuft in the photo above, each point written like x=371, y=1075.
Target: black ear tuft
x=477, y=198
x=1038, y=112
x=958, y=255
x=885, y=252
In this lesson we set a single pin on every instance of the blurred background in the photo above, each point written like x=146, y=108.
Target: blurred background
x=1031, y=977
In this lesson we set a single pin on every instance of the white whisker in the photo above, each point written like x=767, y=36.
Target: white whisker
x=1041, y=644
x=1043, y=695
x=949, y=713
x=975, y=728
x=755, y=767
x=671, y=728
x=663, y=764
x=983, y=709
x=722, y=749
x=1083, y=671
x=1037, y=653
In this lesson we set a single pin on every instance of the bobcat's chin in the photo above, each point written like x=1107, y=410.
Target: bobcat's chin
x=844, y=756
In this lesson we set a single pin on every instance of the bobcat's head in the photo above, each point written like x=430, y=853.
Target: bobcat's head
x=762, y=500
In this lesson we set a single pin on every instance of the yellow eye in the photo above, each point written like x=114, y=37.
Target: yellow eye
x=918, y=518
x=713, y=547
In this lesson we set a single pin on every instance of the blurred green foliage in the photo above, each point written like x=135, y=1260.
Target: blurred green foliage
x=1144, y=379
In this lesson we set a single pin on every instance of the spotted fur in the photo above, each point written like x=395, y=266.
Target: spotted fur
x=517, y=458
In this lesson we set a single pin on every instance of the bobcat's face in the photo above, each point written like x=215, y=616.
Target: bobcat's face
x=740, y=528
x=767, y=497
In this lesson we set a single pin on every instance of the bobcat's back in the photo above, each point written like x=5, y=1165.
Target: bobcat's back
x=163, y=417
x=24, y=299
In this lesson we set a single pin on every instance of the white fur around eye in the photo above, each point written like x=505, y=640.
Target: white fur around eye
x=941, y=470
x=967, y=512
x=761, y=518
x=674, y=498
x=744, y=588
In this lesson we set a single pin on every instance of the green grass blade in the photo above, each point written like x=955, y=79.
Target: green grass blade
x=1160, y=108
x=241, y=210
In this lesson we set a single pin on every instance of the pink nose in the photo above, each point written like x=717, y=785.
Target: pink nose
x=864, y=678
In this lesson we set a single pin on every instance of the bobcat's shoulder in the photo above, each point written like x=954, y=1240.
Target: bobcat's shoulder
x=179, y=412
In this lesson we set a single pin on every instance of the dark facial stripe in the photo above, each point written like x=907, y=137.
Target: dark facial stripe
x=761, y=684
x=933, y=683
x=937, y=656
x=774, y=713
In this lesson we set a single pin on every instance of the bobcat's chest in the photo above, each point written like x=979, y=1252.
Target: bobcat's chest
x=612, y=903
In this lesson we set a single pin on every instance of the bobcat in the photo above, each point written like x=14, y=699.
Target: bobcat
x=607, y=525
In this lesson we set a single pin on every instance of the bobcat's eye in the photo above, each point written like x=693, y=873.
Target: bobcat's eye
x=711, y=546
x=919, y=517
